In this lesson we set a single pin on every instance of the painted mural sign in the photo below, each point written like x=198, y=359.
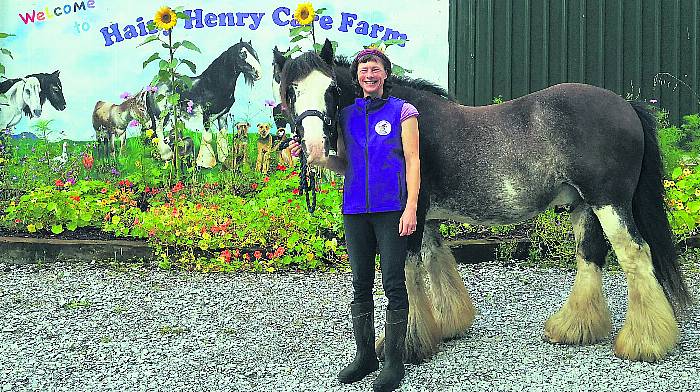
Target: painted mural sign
x=86, y=78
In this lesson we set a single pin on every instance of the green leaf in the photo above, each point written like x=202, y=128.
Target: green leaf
x=147, y=40
x=5, y=35
x=163, y=64
x=51, y=206
x=150, y=26
x=320, y=10
x=189, y=45
x=677, y=172
x=297, y=38
x=181, y=15
x=164, y=75
x=6, y=52
x=399, y=70
x=154, y=56
x=186, y=80
x=57, y=229
x=296, y=30
x=390, y=42
x=72, y=225
x=191, y=65
x=293, y=50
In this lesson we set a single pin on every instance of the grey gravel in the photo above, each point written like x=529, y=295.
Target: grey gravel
x=88, y=327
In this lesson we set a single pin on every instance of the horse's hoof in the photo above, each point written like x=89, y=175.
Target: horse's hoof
x=646, y=344
x=573, y=326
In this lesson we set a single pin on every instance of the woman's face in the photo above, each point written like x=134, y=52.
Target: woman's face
x=371, y=76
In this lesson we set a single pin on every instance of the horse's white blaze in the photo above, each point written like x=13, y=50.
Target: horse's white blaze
x=254, y=63
x=31, y=95
x=650, y=330
x=310, y=95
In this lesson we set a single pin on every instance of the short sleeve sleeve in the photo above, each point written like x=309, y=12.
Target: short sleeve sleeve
x=408, y=110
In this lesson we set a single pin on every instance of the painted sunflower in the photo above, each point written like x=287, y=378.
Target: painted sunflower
x=304, y=14
x=165, y=18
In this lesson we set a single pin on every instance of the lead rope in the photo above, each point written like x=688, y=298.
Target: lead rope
x=307, y=182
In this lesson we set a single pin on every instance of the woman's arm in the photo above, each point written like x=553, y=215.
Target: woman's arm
x=409, y=139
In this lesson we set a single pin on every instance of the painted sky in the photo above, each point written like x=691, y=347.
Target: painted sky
x=91, y=71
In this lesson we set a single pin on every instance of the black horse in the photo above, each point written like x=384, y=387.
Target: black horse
x=51, y=89
x=572, y=144
x=212, y=91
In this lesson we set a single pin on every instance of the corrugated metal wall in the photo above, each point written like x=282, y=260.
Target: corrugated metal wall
x=513, y=47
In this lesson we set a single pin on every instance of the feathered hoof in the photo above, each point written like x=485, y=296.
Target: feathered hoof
x=577, y=329
x=648, y=344
x=412, y=354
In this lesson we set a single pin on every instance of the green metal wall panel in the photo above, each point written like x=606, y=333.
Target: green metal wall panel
x=513, y=47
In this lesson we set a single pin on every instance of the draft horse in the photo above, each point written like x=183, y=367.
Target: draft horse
x=51, y=89
x=22, y=99
x=572, y=144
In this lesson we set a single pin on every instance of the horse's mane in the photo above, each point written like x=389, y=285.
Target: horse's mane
x=301, y=67
x=405, y=81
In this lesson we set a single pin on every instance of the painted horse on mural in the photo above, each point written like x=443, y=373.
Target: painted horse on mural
x=21, y=99
x=51, y=89
x=571, y=144
x=110, y=121
x=212, y=91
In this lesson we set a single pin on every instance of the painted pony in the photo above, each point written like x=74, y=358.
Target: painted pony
x=51, y=89
x=571, y=144
x=111, y=120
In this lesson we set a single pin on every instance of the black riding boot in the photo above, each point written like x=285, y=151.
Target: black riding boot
x=395, y=334
x=365, y=359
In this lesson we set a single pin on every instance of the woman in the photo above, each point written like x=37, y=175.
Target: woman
x=378, y=153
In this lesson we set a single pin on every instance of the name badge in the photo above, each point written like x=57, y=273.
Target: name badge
x=383, y=128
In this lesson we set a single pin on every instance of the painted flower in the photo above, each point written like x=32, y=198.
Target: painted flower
x=155, y=140
x=152, y=89
x=88, y=161
x=59, y=183
x=687, y=172
x=125, y=95
x=281, y=167
x=257, y=254
x=304, y=13
x=266, y=179
x=133, y=123
x=149, y=133
x=254, y=185
x=295, y=191
x=165, y=18
x=270, y=103
x=226, y=256
x=653, y=100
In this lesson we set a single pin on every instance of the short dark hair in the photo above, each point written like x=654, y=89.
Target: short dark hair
x=374, y=55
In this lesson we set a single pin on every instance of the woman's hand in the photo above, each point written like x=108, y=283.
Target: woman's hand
x=295, y=147
x=408, y=222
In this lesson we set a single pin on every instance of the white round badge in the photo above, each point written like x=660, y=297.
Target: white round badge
x=383, y=127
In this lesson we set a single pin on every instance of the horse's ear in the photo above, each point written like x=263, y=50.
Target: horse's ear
x=241, y=40
x=278, y=57
x=56, y=72
x=327, y=52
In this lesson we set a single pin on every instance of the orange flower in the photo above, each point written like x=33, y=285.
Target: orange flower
x=257, y=254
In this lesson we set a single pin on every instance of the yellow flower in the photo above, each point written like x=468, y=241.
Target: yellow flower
x=155, y=140
x=697, y=192
x=138, y=164
x=149, y=133
x=686, y=172
x=2, y=160
x=165, y=18
x=304, y=14
x=31, y=228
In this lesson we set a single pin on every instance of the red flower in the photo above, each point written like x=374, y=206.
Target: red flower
x=236, y=253
x=88, y=160
x=294, y=173
x=289, y=200
x=198, y=206
x=59, y=183
x=254, y=185
x=226, y=255
x=152, y=232
x=257, y=254
x=178, y=187
x=279, y=252
x=269, y=255
x=281, y=167
x=75, y=198
x=136, y=222
x=333, y=183
x=18, y=221
x=246, y=256
x=104, y=190
x=295, y=191
x=146, y=189
x=266, y=179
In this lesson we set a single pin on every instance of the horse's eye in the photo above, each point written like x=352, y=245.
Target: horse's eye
x=244, y=55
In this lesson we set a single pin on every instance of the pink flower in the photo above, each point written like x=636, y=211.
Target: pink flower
x=270, y=103
x=133, y=123
x=125, y=95
x=153, y=89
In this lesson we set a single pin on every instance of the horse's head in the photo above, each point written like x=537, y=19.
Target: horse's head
x=309, y=91
x=245, y=59
x=52, y=90
x=30, y=97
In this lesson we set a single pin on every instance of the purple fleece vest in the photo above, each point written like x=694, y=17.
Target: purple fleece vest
x=375, y=178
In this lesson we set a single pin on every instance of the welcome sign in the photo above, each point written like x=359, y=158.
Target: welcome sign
x=96, y=47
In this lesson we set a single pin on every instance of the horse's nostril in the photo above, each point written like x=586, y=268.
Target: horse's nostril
x=37, y=112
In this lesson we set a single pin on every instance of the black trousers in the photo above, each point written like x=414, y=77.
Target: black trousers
x=363, y=234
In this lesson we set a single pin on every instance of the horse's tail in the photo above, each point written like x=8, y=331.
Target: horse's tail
x=152, y=108
x=650, y=215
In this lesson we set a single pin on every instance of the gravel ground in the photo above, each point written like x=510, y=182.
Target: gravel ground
x=84, y=327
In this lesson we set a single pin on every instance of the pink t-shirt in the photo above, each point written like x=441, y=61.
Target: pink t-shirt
x=407, y=111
